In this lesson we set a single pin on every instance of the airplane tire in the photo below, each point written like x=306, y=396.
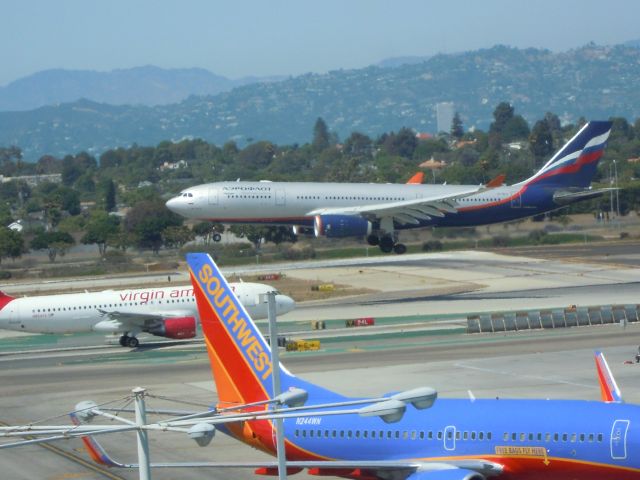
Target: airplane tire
x=133, y=342
x=399, y=248
x=373, y=240
x=217, y=237
x=124, y=340
x=386, y=244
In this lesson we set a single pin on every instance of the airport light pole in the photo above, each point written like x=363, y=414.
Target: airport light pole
x=275, y=358
x=144, y=469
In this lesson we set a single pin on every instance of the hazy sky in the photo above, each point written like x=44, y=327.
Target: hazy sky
x=274, y=37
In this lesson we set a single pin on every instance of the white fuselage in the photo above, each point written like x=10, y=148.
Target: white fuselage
x=80, y=312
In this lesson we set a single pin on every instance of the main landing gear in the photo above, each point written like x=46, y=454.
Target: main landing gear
x=387, y=243
x=127, y=341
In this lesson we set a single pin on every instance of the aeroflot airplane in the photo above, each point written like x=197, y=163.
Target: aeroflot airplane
x=445, y=439
x=166, y=312
x=379, y=211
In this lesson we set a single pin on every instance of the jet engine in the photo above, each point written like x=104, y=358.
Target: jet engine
x=340, y=226
x=178, y=327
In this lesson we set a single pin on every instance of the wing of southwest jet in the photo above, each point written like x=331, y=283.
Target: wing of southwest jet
x=406, y=211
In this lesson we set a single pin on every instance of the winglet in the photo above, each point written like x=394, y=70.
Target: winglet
x=496, y=182
x=609, y=390
x=95, y=450
x=417, y=179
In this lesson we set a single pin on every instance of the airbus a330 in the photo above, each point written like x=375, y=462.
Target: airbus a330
x=380, y=211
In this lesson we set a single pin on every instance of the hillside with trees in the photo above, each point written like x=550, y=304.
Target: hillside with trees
x=593, y=82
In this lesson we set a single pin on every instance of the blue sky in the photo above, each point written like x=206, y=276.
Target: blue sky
x=288, y=37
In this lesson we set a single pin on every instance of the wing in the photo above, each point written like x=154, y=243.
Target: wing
x=121, y=320
x=406, y=212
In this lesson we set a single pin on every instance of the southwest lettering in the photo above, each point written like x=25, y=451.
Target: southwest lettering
x=244, y=336
x=231, y=315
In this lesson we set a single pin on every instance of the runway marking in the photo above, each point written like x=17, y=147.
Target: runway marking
x=73, y=458
x=513, y=374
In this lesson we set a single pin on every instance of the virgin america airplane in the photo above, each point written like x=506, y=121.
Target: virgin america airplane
x=379, y=211
x=165, y=312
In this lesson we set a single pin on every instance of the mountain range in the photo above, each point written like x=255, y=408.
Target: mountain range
x=592, y=82
x=147, y=85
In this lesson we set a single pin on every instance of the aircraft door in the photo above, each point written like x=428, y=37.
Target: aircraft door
x=281, y=198
x=516, y=202
x=619, y=439
x=213, y=196
x=450, y=437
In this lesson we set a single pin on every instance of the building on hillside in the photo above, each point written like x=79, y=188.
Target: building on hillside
x=444, y=116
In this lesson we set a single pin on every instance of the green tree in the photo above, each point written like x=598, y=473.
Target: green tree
x=502, y=114
x=108, y=191
x=320, y=135
x=402, y=144
x=541, y=140
x=147, y=220
x=457, y=129
x=357, y=144
x=56, y=243
x=177, y=236
x=11, y=244
x=100, y=227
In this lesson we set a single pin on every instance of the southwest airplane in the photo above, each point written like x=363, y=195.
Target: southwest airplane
x=166, y=312
x=380, y=211
x=435, y=439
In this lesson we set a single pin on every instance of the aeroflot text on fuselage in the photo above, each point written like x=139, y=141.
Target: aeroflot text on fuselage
x=250, y=346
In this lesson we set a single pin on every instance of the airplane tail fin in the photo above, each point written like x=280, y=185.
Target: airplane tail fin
x=609, y=390
x=240, y=356
x=574, y=165
x=417, y=179
x=4, y=299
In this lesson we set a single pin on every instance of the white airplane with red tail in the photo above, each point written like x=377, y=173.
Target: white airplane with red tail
x=166, y=312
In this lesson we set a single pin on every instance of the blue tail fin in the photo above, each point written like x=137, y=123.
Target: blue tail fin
x=574, y=165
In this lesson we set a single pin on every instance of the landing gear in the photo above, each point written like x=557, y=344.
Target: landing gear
x=373, y=240
x=127, y=341
x=217, y=237
x=399, y=248
x=387, y=244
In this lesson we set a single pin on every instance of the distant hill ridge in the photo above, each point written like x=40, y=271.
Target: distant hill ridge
x=148, y=85
x=593, y=82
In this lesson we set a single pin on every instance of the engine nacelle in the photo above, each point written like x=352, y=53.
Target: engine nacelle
x=446, y=474
x=178, y=327
x=340, y=226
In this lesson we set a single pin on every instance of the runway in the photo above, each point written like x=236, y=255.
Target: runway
x=540, y=364
x=537, y=365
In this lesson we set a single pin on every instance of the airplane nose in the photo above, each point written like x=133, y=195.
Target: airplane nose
x=173, y=203
x=285, y=304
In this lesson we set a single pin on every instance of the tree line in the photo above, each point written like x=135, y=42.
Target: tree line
x=135, y=181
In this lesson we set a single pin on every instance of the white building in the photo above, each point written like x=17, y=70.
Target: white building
x=444, y=116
